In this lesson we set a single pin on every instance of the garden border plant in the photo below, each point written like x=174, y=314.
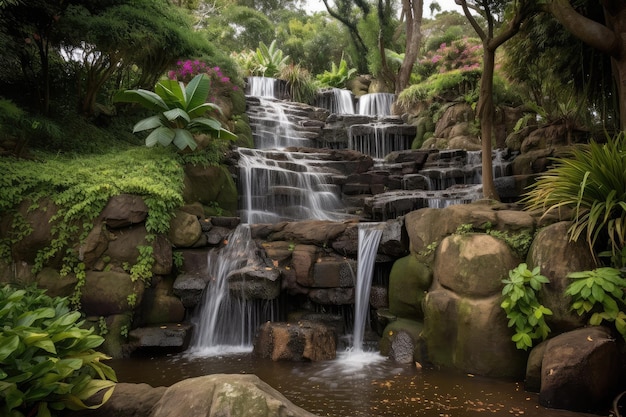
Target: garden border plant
x=48, y=362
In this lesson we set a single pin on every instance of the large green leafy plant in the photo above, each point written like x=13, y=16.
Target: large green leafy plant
x=338, y=76
x=47, y=360
x=599, y=294
x=181, y=112
x=592, y=184
x=523, y=309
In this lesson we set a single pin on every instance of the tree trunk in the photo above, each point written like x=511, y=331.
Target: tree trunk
x=485, y=113
x=608, y=38
x=413, y=9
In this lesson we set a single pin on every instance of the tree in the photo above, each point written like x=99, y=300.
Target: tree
x=412, y=11
x=492, y=11
x=349, y=13
x=607, y=34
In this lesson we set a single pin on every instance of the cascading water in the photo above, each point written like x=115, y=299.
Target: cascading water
x=288, y=188
x=369, y=238
x=376, y=104
x=225, y=323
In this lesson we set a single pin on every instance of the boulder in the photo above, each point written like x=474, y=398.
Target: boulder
x=184, y=229
x=106, y=293
x=409, y=281
x=223, y=395
x=124, y=246
x=332, y=272
x=332, y=296
x=580, y=369
x=38, y=221
x=556, y=256
x=402, y=342
x=189, y=288
x=313, y=232
x=304, y=340
x=169, y=336
x=255, y=283
x=56, y=285
x=210, y=185
x=128, y=400
x=124, y=210
x=470, y=335
x=159, y=305
x=473, y=265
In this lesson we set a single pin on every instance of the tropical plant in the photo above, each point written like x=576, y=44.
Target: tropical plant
x=47, y=359
x=338, y=75
x=599, y=293
x=591, y=184
x=522, y=307
x=221, y=85
x=299, y=83
x=269, y=60
x=181, y=112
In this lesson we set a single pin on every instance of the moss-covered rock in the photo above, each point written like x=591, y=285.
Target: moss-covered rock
x=409, y=280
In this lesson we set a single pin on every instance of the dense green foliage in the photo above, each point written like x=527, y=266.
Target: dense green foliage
x=591, y=184
x=47, y=360
x=599, y=294
x=338, y=76
x=523, y=309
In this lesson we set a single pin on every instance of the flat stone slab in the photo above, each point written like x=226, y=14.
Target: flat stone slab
x=170, y=335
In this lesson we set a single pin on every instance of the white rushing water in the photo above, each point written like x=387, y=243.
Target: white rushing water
x=225, y=323
x=369, y=238
x=376, y=104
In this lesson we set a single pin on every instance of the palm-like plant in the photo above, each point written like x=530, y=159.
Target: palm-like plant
x=593, y=184
x=338, y=75
x=181, y=112
x=269, y=60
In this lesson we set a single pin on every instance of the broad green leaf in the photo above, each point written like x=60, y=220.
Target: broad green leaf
x=28, y=318
x=145, y=98
x=183, y=139
x=176, y=114
x=595, y=319
x=8, y=345
x=161, y=135
x=197, y=91
x=148, y=123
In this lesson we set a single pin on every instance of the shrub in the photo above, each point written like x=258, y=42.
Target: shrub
x=299, y=83
x=522, y=307
x=591, y=184
x=47, y=361
x=599, y=294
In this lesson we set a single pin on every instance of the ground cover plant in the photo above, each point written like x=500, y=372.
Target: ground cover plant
x=48, y=361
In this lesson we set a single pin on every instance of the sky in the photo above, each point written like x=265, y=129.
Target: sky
x=318, y=5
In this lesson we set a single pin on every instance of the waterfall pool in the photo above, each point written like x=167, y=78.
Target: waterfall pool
x=353, y=386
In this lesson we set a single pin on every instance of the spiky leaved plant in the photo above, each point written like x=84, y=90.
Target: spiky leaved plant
x=592, y=183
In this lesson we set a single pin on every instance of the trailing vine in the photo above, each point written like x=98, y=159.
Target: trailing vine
x=80, y=188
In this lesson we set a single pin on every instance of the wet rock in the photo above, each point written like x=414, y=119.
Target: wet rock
x=300, y=341
x=332, y=272
x=401, y=341
x=255, y=283
x=189, y=288
x=159, y=305
x=580, y=369
x=335, y=296
x=172, y=336
x=124, y=210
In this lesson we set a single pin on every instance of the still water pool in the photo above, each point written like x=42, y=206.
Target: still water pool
x=353, y=385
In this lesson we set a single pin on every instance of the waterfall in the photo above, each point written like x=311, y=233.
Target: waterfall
x=376, y=104
x=369, y=238
x=343, y=101
x=223, y=322
x=262, y=86
x=286, y=188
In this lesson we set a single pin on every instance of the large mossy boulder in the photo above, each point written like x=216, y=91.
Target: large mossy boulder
x=213, y=185
x=409, y=281
x=556, y=256
x=464, y=326
x=106, y=293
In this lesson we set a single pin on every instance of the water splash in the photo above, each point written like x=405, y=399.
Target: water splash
x=225, y=323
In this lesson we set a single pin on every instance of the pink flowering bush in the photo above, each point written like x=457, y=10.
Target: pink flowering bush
x=185, y=71
x=463, y=54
